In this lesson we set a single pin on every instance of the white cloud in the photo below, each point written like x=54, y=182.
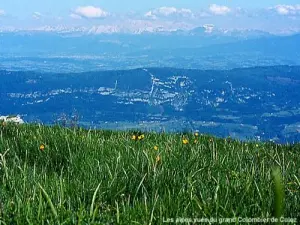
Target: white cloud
x=169, y=11
x=287, y=9
x=75, y=16
x=37, y=15
x=89, y=12
x=219, y=9
x=2, y=12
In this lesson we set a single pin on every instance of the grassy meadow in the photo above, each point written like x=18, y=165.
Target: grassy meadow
x=59, y=175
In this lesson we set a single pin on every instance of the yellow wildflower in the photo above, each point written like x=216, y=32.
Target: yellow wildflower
x=196, y=134
x=195, y=141
x=155, y=148
x=185, y=141
x=133, y=137
x=42, y=147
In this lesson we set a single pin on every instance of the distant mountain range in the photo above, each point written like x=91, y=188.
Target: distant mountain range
x=257, y=103
x=64, y=39
x=206, y=29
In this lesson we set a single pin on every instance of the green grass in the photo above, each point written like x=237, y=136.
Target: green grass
x=104, y=177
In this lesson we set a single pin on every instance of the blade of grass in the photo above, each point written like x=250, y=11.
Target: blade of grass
x=54, y=212
x=279, y=193
x=93, y=200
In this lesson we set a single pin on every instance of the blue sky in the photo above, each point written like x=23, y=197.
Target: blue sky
x=230, y=14
x=23, y=7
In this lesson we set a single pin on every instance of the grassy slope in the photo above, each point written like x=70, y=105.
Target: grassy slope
x=210, y=178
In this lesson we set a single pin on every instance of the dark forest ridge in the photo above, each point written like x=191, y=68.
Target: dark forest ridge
x=256, y=103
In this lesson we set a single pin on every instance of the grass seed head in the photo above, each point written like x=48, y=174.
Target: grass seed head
x=158, y=159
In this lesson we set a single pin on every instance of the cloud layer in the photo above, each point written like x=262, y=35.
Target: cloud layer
x=219, y=9
x=90, y=12
x=287, y=9
x=214, y=17
x=168, y=11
